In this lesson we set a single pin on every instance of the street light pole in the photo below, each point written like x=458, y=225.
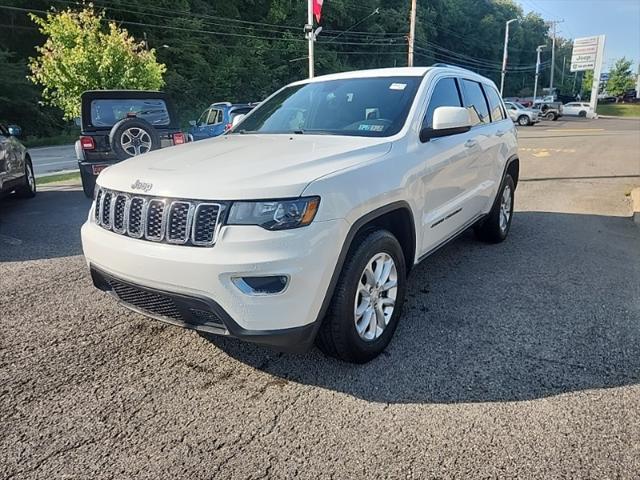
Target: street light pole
x=535, y=85
x=504, y=54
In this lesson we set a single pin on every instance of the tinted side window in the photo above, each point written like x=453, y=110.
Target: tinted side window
x=495, y=104
x=475, y=102
x=3, y=131
x=445, y=94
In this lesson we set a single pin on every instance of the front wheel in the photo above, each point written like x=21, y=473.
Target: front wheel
x=551, y=116
x=367, y=302
x=494, y=228
x=523, y=120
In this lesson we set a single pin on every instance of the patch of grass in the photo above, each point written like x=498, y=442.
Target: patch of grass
x=620, y=109
x=62, y=139
x=58, y=178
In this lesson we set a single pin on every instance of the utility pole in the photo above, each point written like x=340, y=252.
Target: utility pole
x=504, y=54
x=535, y=85
x=554, y=24
x=412, y=32
x=308, y=30
x=564, y=58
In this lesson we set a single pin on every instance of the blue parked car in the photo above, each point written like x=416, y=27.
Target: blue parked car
x=217, y=119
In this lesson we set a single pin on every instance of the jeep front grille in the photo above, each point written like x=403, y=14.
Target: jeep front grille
x=178, y=221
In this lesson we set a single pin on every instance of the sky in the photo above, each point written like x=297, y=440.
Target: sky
x=618, y=20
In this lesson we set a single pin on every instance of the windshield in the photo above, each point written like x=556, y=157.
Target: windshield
x=367, y=107
x=519, y=106
x=106, y=112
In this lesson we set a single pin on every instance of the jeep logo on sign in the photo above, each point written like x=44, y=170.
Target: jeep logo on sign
x=138, y=185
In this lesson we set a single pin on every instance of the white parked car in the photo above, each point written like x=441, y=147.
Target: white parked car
x=581, y=109
x=522, y=115
x=303, y=222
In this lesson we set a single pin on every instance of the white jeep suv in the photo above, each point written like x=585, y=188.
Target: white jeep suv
x=303, y=222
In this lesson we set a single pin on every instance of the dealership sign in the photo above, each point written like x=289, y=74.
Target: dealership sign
x=585, y=53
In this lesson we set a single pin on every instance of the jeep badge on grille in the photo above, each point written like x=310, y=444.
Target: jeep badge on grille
x=138, y=185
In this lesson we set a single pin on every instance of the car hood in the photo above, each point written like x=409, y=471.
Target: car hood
x=234, y=167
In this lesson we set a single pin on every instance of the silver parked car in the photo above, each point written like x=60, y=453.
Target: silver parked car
x=521, y=115
x=16, y=170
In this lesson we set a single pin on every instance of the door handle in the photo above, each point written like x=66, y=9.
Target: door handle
x=470, y=143
x=500, y=133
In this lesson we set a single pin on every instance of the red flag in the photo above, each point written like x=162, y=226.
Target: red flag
x=317, y=9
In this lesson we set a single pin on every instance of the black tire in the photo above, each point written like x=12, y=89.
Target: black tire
x=582, y=113
x=337, y=335
x=551, y=116
x=524, y=121
x=28, y=189
x=124, y=127
x=88, y=182
x=489, y=229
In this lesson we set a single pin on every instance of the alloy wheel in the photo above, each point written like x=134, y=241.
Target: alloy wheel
x=505, y=208
x=135, y=141
x=376, y=296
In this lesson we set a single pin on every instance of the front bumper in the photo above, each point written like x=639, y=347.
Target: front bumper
x=197, y=278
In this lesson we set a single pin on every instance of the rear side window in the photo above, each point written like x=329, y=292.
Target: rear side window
x=495, y=104
x=475, y=102
x=445, y=94
x=106, y=112
x=215, y=117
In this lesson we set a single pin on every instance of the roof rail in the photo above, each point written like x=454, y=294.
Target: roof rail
x=451, y=66
x=226, y=104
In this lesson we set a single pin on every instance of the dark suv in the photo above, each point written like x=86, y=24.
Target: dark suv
x=120, y=124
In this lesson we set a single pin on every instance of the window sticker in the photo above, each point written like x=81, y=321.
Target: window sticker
x=364, y=127
x=397, y=86
x=376, y=128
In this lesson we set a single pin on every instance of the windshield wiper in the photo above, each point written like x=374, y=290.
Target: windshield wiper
x=298, y=132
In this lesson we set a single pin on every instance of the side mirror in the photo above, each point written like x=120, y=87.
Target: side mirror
x=14, y=130
x=236, y=120
x=447, y=121
x=192, y=123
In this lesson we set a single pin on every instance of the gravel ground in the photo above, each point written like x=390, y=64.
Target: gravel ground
x=512, y=360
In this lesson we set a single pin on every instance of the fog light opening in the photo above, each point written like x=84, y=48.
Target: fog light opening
x=260, y=286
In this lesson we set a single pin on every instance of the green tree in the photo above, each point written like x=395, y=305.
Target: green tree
x=81, y=53
x=587, y=84
x=620, y=77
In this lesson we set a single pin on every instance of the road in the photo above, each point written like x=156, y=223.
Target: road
x=518, y=360
x=53, y=159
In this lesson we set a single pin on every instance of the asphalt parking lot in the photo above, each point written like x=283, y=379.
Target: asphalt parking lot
x=513, y=360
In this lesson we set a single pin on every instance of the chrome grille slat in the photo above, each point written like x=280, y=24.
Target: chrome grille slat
x=156, y=219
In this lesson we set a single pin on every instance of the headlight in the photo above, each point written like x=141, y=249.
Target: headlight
x=275, y=214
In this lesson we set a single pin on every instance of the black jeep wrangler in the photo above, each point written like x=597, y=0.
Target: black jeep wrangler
x=120, y=124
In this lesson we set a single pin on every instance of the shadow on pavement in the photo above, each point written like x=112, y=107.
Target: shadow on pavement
x=555, y=309
x=46, y=226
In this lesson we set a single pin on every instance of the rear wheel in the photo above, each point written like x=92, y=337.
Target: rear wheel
x=28, y=190
x=582, y=113
x=495, y=227
x=88, y=182
x=523, y=120
x=367, y=302
x=551, y=116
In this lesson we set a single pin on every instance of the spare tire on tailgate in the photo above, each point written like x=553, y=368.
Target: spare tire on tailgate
x=133, y=136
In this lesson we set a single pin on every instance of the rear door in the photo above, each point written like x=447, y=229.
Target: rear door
x=480, y=148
